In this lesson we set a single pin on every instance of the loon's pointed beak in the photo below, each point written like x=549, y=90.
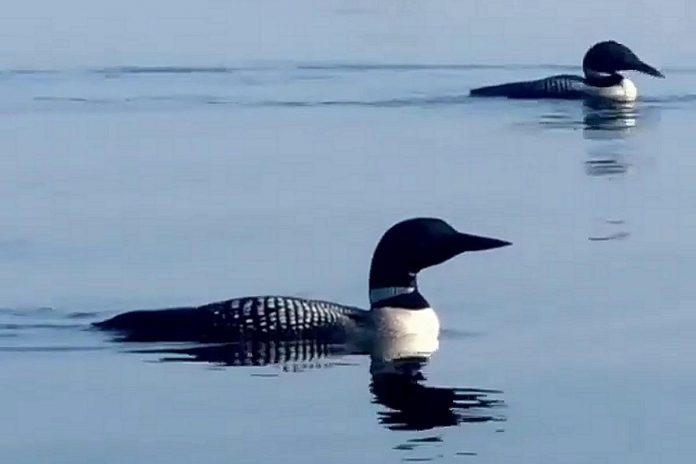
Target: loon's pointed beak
x=644, y=67
x=469, y=242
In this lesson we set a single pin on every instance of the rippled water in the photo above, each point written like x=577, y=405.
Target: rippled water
x=130, y=187
x=281, y=84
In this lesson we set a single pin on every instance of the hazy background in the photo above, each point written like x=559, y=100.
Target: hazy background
x=75, y=33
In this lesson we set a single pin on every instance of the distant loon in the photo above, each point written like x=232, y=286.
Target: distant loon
x=396, y=306
x=601, y=65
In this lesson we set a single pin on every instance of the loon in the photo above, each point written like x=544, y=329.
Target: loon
x=396, y=306
x=602, y=80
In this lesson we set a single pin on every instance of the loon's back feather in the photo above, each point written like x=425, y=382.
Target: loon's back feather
x=239, y=319
x=562, y=86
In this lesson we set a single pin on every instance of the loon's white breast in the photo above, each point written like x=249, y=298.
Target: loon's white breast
x=400, y=322
x=404, y=332
x=625, y=91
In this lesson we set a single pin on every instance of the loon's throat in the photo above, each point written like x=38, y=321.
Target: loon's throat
x=400, y=293
x=599, y=79
x=393, y=285
x=388, y=271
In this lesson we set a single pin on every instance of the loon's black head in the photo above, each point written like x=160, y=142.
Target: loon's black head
x=415, y=244
x=606, y=58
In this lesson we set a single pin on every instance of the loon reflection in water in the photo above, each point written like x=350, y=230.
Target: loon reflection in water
x=609, y=120
x=396, y=377
x=607, y=130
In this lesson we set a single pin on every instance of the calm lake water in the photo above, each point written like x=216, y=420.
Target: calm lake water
x=155, y=185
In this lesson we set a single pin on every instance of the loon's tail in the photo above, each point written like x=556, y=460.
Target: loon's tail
x=563, y=86
x=261, y=318
x=171, y=324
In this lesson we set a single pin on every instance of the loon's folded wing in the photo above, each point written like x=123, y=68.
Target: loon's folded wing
x=565, y=86
x=240, y=319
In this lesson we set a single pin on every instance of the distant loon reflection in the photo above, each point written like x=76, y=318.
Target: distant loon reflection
x=601, y=80
x=604, y=120
x=607, y=126
x=607, y=131
x=396, y=377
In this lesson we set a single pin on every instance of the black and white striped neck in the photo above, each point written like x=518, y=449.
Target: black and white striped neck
x=387, y=293
x=602, y=79
x=397, y=297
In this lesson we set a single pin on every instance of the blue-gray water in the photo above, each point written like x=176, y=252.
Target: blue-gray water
x=159, y=184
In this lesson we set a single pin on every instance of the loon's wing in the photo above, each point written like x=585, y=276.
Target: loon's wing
x=565, y=86
x=241, y=319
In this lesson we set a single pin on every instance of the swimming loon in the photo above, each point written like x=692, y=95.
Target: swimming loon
x=396, y=306
x=601, y=65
